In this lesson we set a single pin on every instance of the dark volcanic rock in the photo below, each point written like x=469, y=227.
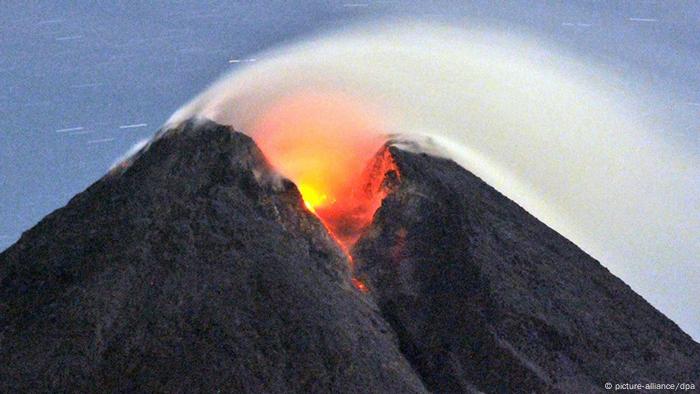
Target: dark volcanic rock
x=195, y=269
x=484, y=296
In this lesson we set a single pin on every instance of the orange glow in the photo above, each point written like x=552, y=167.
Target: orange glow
x=323, y=142
x=312, y=197
x=360, y=285
x=363, y=195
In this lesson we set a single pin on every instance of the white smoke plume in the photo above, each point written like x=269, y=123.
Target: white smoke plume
x=557, y=134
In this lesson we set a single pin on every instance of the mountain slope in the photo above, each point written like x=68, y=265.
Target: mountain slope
x=482, y=294
x=196, y=268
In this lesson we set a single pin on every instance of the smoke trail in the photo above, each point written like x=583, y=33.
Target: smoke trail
x=556, y=134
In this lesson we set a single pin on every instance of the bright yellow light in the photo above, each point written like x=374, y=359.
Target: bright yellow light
x=322, y=141
x=319, y=140
x=311, y=197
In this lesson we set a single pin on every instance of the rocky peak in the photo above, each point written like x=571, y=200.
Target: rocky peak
x=192, y=267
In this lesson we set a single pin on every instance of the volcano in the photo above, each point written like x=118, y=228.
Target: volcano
x=195, y=266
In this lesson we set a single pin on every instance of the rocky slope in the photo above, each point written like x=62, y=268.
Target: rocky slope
x=195, y=269
x=483, y=295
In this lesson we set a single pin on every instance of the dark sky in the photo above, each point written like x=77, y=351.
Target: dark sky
x=81, y=83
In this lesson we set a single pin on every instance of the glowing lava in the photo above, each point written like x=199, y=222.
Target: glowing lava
x=312, y=197
x=360, y=285
x=323, y=142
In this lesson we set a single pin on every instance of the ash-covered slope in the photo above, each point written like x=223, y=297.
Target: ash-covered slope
x=195, y=269
x=483, y=295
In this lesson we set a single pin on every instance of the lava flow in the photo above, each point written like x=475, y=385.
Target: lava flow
x=323, y=142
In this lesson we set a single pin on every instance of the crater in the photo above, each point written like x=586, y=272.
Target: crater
x=332, y=147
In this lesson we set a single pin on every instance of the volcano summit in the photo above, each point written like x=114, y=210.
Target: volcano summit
x=194, y=266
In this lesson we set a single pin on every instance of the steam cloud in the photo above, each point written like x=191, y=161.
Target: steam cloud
x=552, y=132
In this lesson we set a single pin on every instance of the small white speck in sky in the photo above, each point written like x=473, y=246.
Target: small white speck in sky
x=231, y=61
x=643, y=19
x=133, y=126
x=70, y=129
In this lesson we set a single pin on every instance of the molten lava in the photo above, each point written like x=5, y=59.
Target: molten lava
x=360, y=285
x=324, y=142
x=353, y=211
